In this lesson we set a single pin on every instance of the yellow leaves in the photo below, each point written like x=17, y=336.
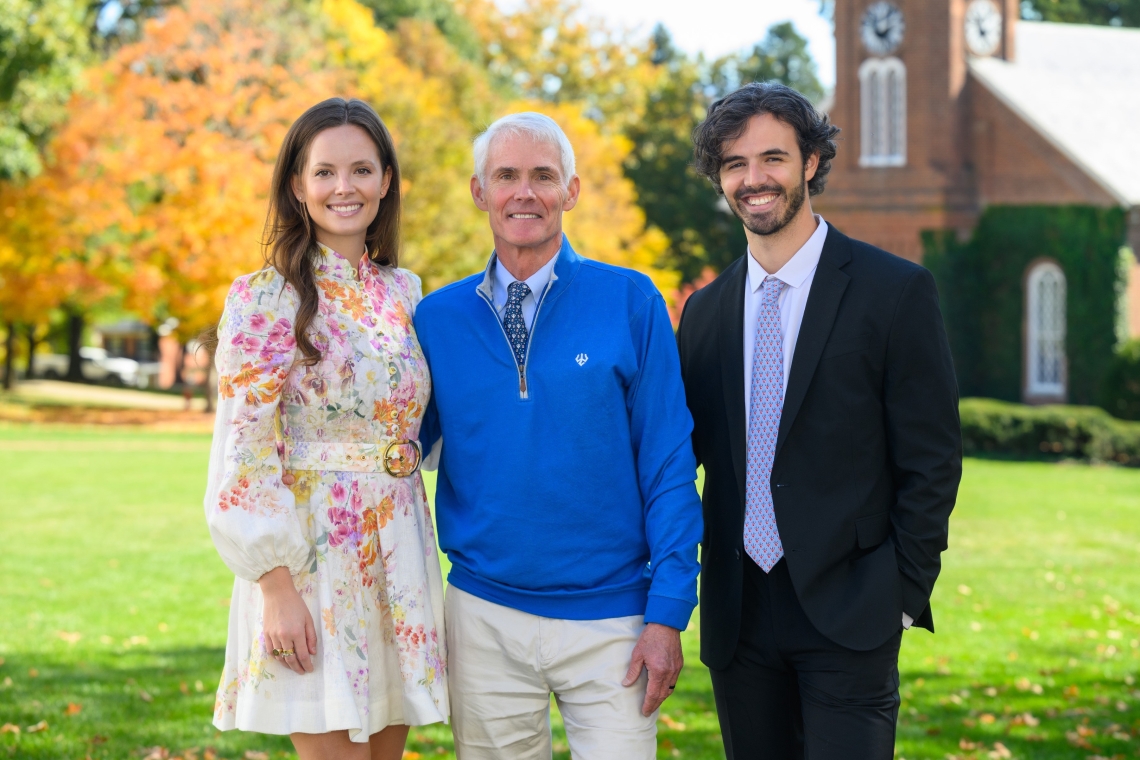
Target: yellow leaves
x=38, y=727
x=72, y=709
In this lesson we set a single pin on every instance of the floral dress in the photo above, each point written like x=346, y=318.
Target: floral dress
x=358, y=541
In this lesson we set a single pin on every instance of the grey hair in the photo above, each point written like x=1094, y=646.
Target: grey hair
x=540, y=128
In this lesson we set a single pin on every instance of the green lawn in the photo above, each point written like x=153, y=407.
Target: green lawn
x=113, y=607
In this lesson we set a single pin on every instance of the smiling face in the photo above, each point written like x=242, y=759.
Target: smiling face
x=525, y=195
x=341, y=185
x=763, y=176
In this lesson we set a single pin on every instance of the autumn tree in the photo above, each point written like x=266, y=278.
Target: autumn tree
x=165, y=162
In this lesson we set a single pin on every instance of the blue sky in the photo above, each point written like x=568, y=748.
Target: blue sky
x=717, y=27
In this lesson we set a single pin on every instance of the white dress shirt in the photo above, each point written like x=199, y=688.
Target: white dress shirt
x=797, y=275
x=537, y=283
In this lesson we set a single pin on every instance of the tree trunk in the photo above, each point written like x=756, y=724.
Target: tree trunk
x=74, y=339
x=10, y=356
x=210, y=384
x=32, y=343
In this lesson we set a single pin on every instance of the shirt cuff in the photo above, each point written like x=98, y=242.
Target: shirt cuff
x=665, y=610
x=908, y=621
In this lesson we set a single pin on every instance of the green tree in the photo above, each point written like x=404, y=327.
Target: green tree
x=43, y=47
x=702, y=233
x=675, y=199
x=782, y=56
x=1105, y=12
x=441, y=13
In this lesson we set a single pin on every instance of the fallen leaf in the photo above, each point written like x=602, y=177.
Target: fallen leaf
x=10, y=728
x=156, y=753
x=69, y=637
x=964, y=590
x=253, y=754
x=1, y=662
x=33, y=673
x=1120, y=736
x=967, y=745
x=986, y=718
x=671, y=724
x=144, y=696
x=41, y=726
x=933, y=731
x=1000, y=752
x=98, y=739
x=184, y=688
x=409, y=755
x=1086, y=731
x=1072, y=691
x=72, y=709
x=210, y=754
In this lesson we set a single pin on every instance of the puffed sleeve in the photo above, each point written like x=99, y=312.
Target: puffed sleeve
x=413, y=288
x=249, y=510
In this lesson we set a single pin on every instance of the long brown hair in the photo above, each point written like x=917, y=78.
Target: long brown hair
x=290, y=236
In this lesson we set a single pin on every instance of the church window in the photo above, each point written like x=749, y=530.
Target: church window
x=882, y=83
x=1045, y=330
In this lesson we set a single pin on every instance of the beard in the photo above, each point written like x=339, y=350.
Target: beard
x=772, y=221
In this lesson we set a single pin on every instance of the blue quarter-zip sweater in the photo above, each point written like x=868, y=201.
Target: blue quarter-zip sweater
x=566, y=486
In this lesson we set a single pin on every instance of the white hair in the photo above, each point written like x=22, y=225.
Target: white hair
x=541, y=129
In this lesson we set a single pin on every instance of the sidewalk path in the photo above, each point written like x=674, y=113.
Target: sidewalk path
x=79, y=394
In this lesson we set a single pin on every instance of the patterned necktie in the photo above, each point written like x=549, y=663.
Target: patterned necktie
x=513, y=321
x=761, y=537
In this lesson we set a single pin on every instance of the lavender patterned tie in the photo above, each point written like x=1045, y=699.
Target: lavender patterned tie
x=761, y=537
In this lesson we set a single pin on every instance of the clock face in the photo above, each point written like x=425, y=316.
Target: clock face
x=882, y=28
x=983, y=27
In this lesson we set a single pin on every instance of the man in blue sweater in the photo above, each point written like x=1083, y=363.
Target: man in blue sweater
x=566, y=499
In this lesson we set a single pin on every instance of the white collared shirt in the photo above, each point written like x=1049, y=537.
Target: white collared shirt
x=797, y=275
x=537, y=283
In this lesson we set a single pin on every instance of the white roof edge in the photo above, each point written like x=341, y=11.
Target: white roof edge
x=977, y=72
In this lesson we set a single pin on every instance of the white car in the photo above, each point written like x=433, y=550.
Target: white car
x=96, y=366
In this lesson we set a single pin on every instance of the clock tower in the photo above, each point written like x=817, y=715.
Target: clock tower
x=904, y=163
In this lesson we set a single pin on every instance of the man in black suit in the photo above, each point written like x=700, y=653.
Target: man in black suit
x=826, y=417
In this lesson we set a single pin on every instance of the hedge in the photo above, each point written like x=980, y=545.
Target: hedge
x=997, y=428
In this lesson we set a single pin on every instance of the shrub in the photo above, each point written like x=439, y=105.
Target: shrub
x=998, y=428
x=1121, y=394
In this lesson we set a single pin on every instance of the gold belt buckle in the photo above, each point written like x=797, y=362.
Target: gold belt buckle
x=402, y=470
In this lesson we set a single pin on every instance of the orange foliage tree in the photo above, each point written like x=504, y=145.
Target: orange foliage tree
x=164, y=165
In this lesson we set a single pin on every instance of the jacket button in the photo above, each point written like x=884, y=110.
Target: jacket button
x=738, y=554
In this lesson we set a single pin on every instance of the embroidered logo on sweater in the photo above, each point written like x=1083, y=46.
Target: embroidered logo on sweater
x=581, y=359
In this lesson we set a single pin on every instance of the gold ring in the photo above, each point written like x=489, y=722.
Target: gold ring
x=402, y=469
x=283, y=653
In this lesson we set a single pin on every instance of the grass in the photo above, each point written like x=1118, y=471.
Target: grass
x=113, y=611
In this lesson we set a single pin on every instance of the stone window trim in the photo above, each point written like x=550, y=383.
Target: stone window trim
x=882, y=111
x=1045, y=325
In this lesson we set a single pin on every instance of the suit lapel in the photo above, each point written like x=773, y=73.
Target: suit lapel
x=827, y=290
x=732, y=366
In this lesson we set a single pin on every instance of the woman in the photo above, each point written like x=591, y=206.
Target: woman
x=314, y=499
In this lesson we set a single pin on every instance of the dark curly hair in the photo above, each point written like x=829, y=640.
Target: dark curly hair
x=728, y=118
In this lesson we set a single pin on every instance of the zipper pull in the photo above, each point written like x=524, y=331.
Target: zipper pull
x=522, y=382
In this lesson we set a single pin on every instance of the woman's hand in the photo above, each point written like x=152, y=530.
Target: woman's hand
x=286, y=621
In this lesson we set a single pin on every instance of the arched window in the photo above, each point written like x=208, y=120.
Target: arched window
x=882, y=83
x=1045, y=330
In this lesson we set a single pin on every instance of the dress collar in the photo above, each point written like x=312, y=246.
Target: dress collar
x=331, y=264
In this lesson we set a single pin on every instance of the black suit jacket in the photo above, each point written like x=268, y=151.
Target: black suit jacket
x=868, y=456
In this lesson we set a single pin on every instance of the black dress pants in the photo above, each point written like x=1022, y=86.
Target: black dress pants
x=790, y=693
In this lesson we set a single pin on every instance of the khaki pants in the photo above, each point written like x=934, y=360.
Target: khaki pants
x=504, y=664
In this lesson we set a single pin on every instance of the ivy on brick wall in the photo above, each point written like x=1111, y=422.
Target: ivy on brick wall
x=982, y=287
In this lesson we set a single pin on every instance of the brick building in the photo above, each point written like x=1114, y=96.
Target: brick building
x=952, y=107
